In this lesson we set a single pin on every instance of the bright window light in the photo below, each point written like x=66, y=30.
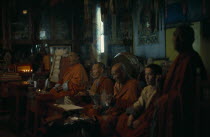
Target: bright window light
x=102, y=37
x=102, y=43
x=100, y=31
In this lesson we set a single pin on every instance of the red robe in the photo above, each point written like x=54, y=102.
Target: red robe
x=143, y=130
x=124, y=97
x=77, y=81
x=176, y=108
x=178, y=86
x=103, y=84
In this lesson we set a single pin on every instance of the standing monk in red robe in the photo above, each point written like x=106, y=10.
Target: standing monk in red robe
x=136, y=121
x=176, y=108
x=101, y=91
x=74, y=81
x=125, y=94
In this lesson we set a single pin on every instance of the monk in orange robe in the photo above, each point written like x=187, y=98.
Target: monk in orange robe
x=125, y=94
x=74, y=81
x=135, y=122
x=101, y=90
x=176, y=108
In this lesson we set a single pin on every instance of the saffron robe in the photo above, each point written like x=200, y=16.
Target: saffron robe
x=124, y=96
x=101, y=86
x=77, y=79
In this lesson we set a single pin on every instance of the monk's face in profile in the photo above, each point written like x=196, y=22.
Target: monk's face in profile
x=117, y=73
x=177, y=40
x=149, y=76
x=97, y=71
x=73, y=58
x=174, y=38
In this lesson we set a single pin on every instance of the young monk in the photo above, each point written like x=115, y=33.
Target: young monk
x=134, y=123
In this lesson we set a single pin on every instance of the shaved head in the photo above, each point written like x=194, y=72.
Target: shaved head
x=73, y=54
x=98, y=70
x=183, y=38
x=73, y=58
x=119, y=73
x=117, y=67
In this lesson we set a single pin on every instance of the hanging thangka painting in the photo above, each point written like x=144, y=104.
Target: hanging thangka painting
x=148, y=26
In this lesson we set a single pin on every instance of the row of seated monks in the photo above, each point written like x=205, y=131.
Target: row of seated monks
x=164, y=107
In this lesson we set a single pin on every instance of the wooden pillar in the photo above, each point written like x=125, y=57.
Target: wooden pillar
x=30, y=29
x=77, y=25
x=52, y=28
x=4, y=23
x=72, y=30
x=9, y=14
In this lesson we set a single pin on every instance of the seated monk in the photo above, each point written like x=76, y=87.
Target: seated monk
x=135, y=122
x=74, y=81
x=125, y=94
x=101, y=90
x=176, y=107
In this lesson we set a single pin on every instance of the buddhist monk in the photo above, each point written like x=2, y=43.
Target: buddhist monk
x=134, y=123
x=101, y=91
x=125, y=94
x=176, y=108
x=74, y=81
